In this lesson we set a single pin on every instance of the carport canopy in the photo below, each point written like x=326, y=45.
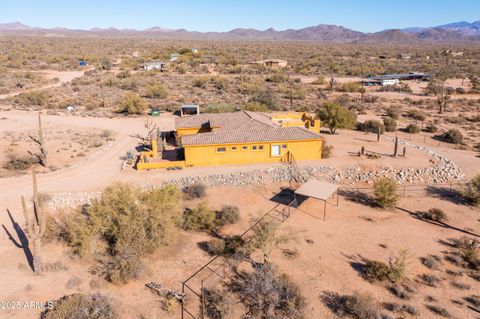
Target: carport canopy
x=318, y=190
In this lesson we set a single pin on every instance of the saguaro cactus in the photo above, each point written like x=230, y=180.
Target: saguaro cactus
x=36, y=222
x=41, y=142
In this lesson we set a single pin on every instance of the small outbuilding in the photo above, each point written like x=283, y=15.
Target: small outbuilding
x=155, y=65
x=272, y=63
x=189, y=109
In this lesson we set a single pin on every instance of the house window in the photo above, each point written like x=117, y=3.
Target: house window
x=254, y=147
x=260, y=148
x=234, y=148
x=275, y=150
x=221, y=149
x=284, y=145
x=244, y=148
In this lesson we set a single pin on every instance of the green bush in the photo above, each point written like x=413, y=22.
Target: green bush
x=255, y=107
x=390, y=124
x=393, y=112
x=228, y=215
x=472, y=190
x=357, y=306
x=394, y=271
x=127, y=224
x=385, y=191
x=371, y=126
x=435, y=214
x=80, y=306
x=335, y=116
x=199, y=218
x=327, y=150
x=417, y=115
x=32, y=98
x=131, y=104
x=412, y=128
x=156, y=91
x=453, y=136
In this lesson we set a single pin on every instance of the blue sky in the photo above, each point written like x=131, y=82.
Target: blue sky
x=210, y=15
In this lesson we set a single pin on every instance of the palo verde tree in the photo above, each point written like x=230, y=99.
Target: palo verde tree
x=36, y=222
x=335, y=116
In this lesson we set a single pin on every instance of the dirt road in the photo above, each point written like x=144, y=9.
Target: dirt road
x=63, y=77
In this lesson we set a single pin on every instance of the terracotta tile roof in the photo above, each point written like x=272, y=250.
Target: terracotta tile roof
x=243, y=127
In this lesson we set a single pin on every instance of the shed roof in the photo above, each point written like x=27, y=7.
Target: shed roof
x=317, y=189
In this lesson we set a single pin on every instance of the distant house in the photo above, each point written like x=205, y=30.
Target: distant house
x=82, y=63
x=405, y=56
x=174, y=57
x=272, y=63
x=457, y=53
x=386, y=82
x=194, y=50
x=155, y=65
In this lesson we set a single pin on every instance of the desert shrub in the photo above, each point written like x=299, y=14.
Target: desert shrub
x=218, y=303
x=430, y=280
x=431, y=261
x=32, y=98
x=357, y=306
x=334, y=116
x=453, y=136
x=255, y=107
x=73, y=282
x=156, y=91
x=385, y=191
x=16, y=163
x=219, y=82
x=267, y=236
x=460, y=90
x=394, y=271
x=200, y=82
x=473, y=300
x=434, y=214
x=390, y=124
x=196, y=190
x=327, y=150
x=228, y=215
x=266, y=294
x=320, y=80
x=412, y=128
x=393, y=112
x=472, y=190
x=417, y=115
x=350, y=87
x=128, y=224
x=430, y=128
x=80, y=306
x=220, y=108
x=266, y=98
x=131, y=104
x=199, y=218
x=371, y=126
x=439, y=311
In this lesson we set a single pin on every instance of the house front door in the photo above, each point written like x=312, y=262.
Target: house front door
x=275, y=150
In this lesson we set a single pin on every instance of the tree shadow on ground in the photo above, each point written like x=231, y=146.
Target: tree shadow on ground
x=445, y=193
x=419, y=216
x=358, y=197
x=22, y=242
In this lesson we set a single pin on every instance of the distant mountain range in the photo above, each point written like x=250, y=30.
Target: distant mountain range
x=453, y=32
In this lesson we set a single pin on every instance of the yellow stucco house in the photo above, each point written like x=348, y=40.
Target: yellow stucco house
x=247, y=137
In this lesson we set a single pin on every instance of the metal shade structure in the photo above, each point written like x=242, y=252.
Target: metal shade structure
x=318, y=190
